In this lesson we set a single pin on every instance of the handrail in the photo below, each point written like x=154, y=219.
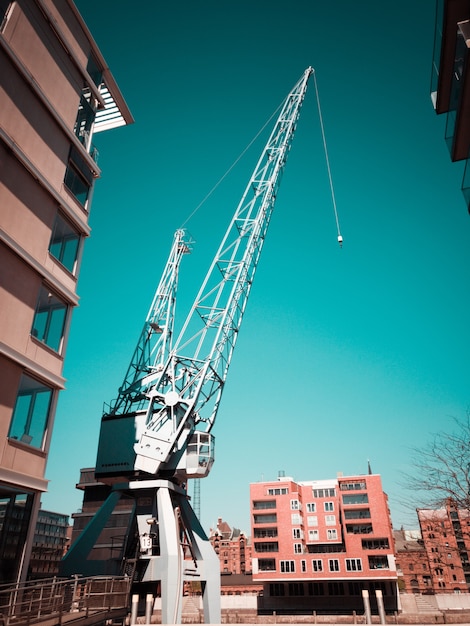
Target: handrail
x=37, y=600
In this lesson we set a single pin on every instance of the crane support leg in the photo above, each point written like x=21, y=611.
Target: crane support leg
x=179, y=551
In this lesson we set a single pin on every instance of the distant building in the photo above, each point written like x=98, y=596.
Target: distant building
x=450, y=81
x=319, y=544
x=446, y=540
x=57, y=93
x=413, y=569
x=51, y=540
x=233, y=548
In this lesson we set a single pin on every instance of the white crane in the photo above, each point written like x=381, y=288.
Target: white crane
x=157, y=434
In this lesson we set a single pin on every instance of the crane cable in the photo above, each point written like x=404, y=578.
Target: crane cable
x=340, y=238
x=333, y=197
x=208, y=195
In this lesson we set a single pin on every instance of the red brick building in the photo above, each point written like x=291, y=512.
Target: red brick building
x=317, y=545
x=233, y=548
x=414, y=573
x=446, y=538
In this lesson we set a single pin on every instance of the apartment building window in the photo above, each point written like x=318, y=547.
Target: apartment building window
x=64, y=243
x=296, y=589
x=287, y=567
x=311, y=507
x=49, y=319
x=296, y=519
x=267, y=546
x=312, y=520
x=85, y=118
x=78, y=176
x=359, y=529
x=298, y=548
x=294, y=505
x=265, y=518
x=313, y=535
x=296, y=533
x=330, y=520
x=276, y=589
x=328, y=506
x=31, y=412
x=353, y=565
x=357, y=514
x=315, y=589
x=267, y=565
x=277, y=491
x=353, y=486
x=303, y=565
x=260, y=533
x=263, y=504
x=375, y=544
x=332, y=534
x=94, y=70
x=317, y=565
x=357, y=498
x=378, y=562
x=335, y=589
x=324, y=493
x=333, y=565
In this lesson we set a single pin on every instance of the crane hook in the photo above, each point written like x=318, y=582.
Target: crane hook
x=340, y=241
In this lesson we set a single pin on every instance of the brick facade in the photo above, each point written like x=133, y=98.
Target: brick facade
x=320, y=544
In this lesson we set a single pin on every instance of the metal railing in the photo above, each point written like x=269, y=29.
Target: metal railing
x=39, y=600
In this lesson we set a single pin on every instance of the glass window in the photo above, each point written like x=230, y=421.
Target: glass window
x=296, y=519
x=298, y=548
x=313, y=535
x=30, y=416
x=312, y=520
x=310, y=507
x=49, y=319
x=330, y=520
x=64, y=243
x=295, y=505
x=333, y=565
x=331, y=534
x=359, y=498
x=78, y=176
x=287, y=566
x=93, y=68
x=317, y=565
x=353, y=565
x=329, y=506
x=266, y=565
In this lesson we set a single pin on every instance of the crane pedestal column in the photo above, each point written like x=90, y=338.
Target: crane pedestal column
x=177, y=550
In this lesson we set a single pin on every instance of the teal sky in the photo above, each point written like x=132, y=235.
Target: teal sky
x=344, y=354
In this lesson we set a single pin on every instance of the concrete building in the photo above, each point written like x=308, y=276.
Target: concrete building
x=450, y=80
x=318, y=545
x=56, y=94
x=446, y=539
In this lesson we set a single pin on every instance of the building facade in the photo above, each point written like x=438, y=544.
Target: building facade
x=446, y=539
x=450, y=80
x=50, y=543
x=233, y=548
x=56, y=94
x=318, y=545
x=414, y=573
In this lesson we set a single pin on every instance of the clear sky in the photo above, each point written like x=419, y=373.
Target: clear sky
x=344, y=354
